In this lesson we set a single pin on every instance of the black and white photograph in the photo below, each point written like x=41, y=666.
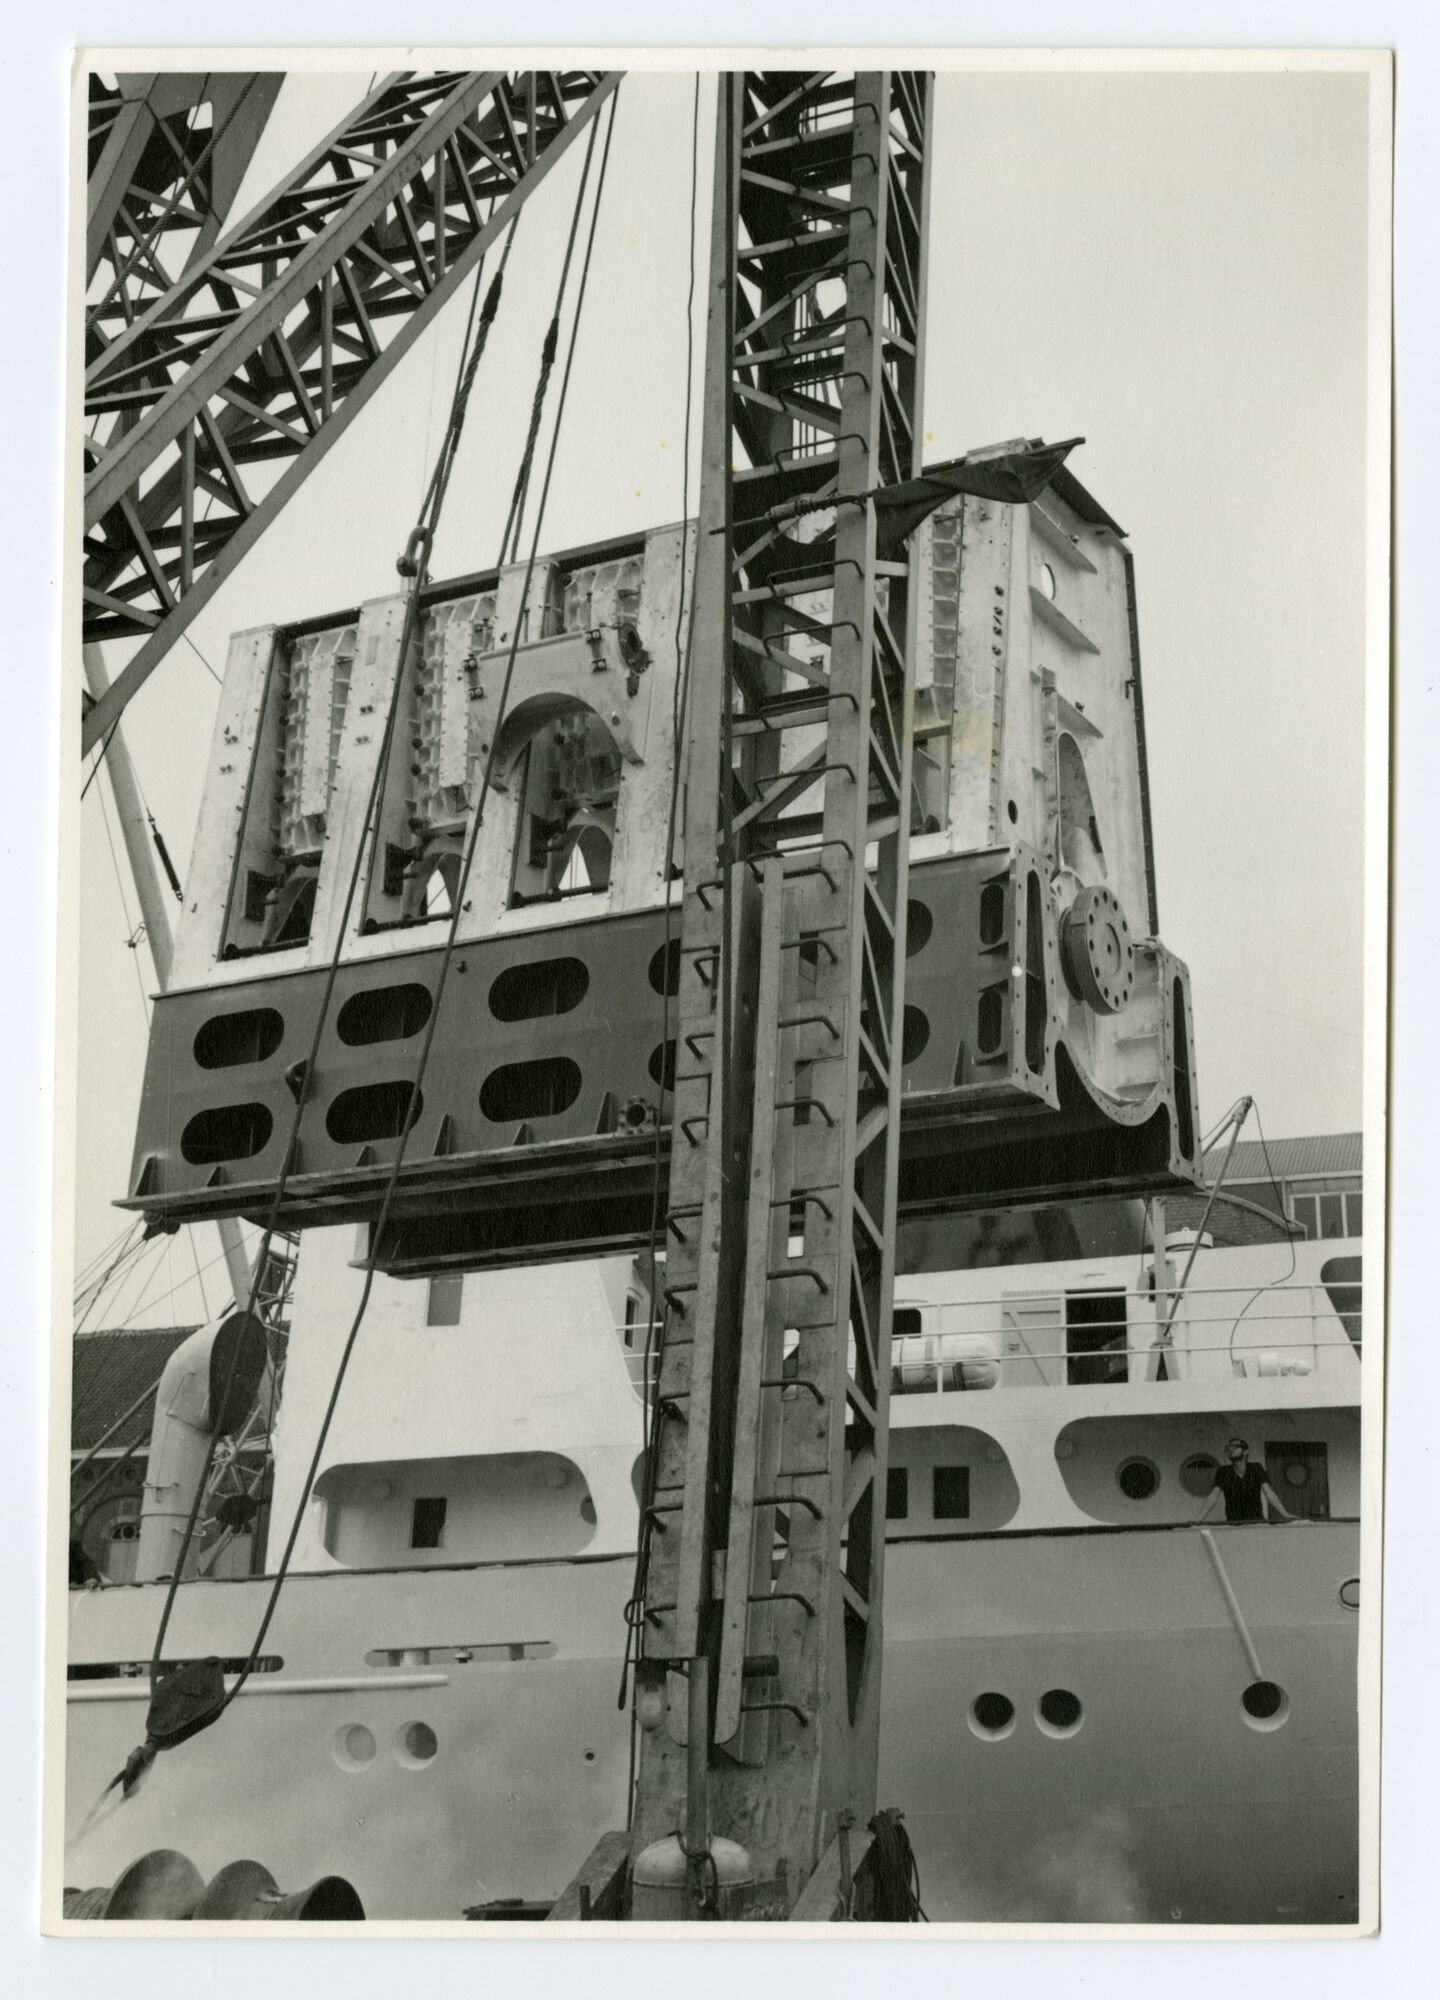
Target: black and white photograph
x=721, y=1253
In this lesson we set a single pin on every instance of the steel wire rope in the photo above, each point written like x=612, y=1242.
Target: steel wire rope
x=447, y=955
x=93, y=1269
x=430, y=508
x=679, y=697
x=134, y=929
x=521, y=493
x=147, y=1248
x=1260, y=1290
x=129, y=1251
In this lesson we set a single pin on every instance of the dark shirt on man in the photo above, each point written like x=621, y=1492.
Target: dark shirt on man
x=1242, y=1491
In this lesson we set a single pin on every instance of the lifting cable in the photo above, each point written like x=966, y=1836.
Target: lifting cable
x=184, y=1702
x=451, y=941
x=421, y=535
x=510, y=539
x=654, y=1351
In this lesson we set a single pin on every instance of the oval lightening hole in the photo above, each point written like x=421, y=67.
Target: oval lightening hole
x=383, y=1014
x=540, y=1089
x=228, y=1039
x=227, y=1132
x=530, y=992
x=371, y=1111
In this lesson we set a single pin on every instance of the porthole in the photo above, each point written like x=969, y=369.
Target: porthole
x=415, y=1745
x=992, y=1716
x=1349, y=1593
x=1265, y=1705
x=1197, y=1475
x=1059, y=1713
x=353, y=1747
x=1138, y=1478
x=1013, y=810
x=662, y=1065
x=1047, y=581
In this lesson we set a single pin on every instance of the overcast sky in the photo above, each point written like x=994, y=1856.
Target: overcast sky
x=1173, y=266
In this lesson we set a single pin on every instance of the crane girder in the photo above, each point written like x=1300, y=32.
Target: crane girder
x=767, y=1468
x=271, y=344
x=166, y=154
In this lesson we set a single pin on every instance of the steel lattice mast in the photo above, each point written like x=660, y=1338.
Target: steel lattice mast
x=268, y=347
x=766, y=1506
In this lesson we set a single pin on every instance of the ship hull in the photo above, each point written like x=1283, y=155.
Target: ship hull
x=437, y=1782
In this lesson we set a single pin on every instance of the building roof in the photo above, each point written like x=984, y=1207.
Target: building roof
x=109, y=1369
x=1290, y=1159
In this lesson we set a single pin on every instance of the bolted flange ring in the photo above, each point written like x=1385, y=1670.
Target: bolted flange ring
x=1096, y=951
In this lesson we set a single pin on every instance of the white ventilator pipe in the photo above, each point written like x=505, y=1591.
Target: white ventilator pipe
x=187, y=1414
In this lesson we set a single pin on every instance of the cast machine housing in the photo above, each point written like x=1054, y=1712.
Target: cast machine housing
x=1047, y=1042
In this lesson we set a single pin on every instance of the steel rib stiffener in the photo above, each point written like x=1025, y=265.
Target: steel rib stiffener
x=766, y=1491
x=207, y=413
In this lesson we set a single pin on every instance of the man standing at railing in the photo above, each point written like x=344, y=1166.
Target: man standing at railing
x=1245, y=1489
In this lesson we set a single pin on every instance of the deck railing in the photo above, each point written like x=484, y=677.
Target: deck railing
x=1027, y=1340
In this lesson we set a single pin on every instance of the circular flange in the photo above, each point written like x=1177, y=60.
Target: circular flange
x=1096, y=951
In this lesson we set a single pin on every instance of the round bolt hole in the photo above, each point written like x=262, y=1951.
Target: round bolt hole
x=1266, y=1704
x=589, y=1756
x=1058, y=1712
x=415, y=1745
x=353, y=1747
x=992, y=1716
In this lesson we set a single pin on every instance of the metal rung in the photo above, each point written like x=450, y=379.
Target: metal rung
x=816, y=1017
x=807, y=1197
x=790, y=1500
x=763, y=1707
x=808, y=1103
x=798, y=1271
x=760, y=1666
x=815, y=938
x=701, y=1118
x=777, y=1596
x=795, y=1382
